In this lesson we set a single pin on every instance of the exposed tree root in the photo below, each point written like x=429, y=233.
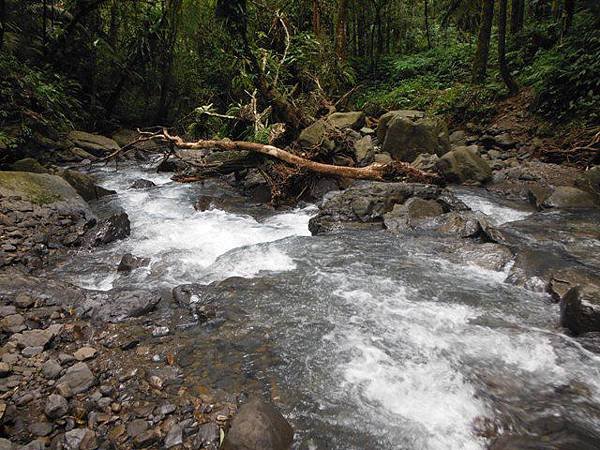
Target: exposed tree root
x=395, y=170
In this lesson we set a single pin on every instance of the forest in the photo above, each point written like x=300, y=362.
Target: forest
x=301, y=224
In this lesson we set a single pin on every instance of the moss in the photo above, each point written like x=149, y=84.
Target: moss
x=38, y=189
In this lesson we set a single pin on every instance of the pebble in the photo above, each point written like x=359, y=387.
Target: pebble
x=24, y=301
x=5, y=369
x=40, y=429
x=51, y=369
x=160, y=331
x=56, y=406
x=85, y=353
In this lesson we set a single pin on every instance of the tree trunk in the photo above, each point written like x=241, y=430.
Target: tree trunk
x=515, y=12
x=316, y=18
x=2, y=21
x=504, y=70
x=426, y=3
x=171, y=14
x=375, y=171
x=555, y=10
x=569, y=11
x=483, y=41
x=340, y=29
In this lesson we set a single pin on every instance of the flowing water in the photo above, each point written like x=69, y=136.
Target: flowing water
x=376, y=341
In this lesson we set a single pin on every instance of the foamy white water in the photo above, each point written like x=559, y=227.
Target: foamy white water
x=498, y=214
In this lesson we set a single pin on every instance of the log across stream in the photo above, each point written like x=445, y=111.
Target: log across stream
x=364, y=339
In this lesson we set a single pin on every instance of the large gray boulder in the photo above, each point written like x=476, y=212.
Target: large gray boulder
x=41, y=189
x=462, y=165
x=580, y=309
x=117, y=306
x=85, y=185
x=94, y=143
x=364, y=204
x=569, y=197
x=258, y=426
x=341, y=120
x=316, y=134
x=407, y=134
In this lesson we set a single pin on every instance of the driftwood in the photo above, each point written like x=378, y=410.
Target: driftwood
x=376, y=171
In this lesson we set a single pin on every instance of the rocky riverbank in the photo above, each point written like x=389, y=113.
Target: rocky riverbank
x=85, y=369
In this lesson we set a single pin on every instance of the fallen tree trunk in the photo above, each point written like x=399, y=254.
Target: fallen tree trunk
x=376, y=172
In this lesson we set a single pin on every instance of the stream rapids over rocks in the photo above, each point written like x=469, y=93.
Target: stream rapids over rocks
x=365, y=339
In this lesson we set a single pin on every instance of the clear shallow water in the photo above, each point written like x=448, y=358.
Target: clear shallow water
x=380, y=341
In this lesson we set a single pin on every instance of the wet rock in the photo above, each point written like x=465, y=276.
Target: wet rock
x=116, y=305
x=56, y=406
x=129, y=263
x=85, y=353
x=208, y=436
x=51, y=369
x=405, y=137
x=580, y=309
x=174, y=436
x=569, y=197
x=363, y=205
x=258, y=426
x=93, y=143
x=146, y=439
x=160, y=331
x=78, y=378
x=85, y=185
x=408, y=215
x=112, y=229
x=463, y=165
x=323, y=186
x=142, y=184
x=137, y=427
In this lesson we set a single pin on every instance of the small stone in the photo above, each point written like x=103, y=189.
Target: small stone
x=137, y=427
x=64, y=358
x=37, y=338
x=14, y=323
x=56, y=406
x=5, y=370
x=51, y=369
x=7, y=310
x=40, y=429
x=5, y=444
x=30, y=352
x=166, y=408
x=80, y=439
x=174, y=436
x=79, y=378
x=142, y=184
x=85, y=353
x=160, y=331
x=146, y=438
x=24, y=301
x=208, y=436
x=156, y=382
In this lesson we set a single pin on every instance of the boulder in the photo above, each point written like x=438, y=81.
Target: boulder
x=458, y=137
x=85, y=185
x=385, y=119
x=589, y=181
x=129, y=263
x=258, y=426
x=142, y=184
x=94, y=143
x=28, y=165
x=364, y=150
x=426, y=162
x=409, y=214
x=116, y=306
x=42, y=189
x=580, y=309
x=315, y=135
x=341, y=120
x=364, y=204
x=463, y=165
x=569, y=197
x=112, y=229
x=37, y=338
x=405, y=138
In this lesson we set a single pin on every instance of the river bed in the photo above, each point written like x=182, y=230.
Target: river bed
x=365, y=340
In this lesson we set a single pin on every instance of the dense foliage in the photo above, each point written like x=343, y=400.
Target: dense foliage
x=192, y=63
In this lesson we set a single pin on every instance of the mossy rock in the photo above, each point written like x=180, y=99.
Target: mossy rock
x=85, y=185
x=28, y=165
x=40, y=189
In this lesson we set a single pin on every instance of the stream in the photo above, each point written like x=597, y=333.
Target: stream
x=365, y=340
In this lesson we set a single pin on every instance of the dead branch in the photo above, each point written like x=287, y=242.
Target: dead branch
x=375, y=171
